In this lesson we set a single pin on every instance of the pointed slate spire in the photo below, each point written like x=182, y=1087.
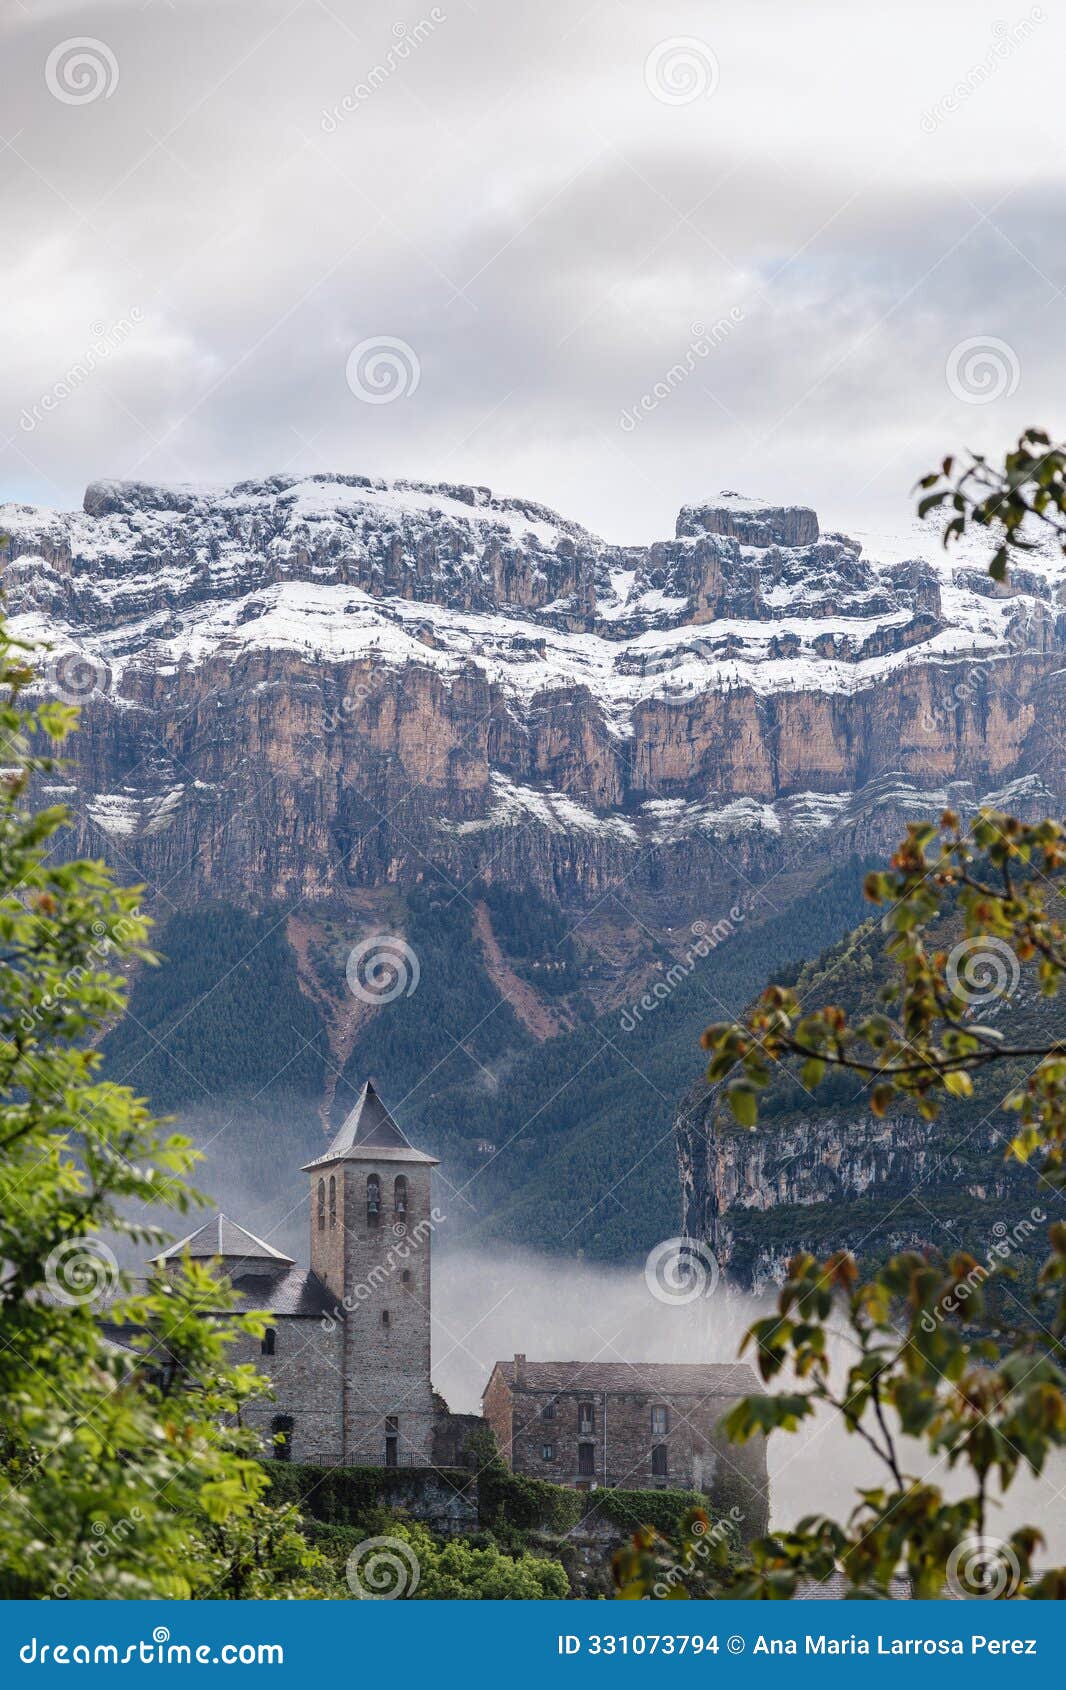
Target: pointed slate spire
x=222, y=1237
x=369, y=1133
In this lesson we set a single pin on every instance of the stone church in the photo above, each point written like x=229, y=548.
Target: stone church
x=347, y=1350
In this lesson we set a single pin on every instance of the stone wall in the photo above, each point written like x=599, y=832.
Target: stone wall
x=305, y=1374
x=444, y=1499
x=698, y=1455
x=387, y=1298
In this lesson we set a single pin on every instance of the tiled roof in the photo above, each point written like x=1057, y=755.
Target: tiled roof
x=222, y=1237
x=298, y=1292
x=293, y=1290
x=369, y=1133
x=698, y=1379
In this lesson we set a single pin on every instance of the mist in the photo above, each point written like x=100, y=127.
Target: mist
x=488, y=1306
x=490, y=1303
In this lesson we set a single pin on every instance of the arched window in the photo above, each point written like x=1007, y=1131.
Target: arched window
x=321, y=1205
x=405, y=1277
x=270, y=1338
x=399, y=1195
x=373, y=1197
x=332, y=1202
x=281, y=1436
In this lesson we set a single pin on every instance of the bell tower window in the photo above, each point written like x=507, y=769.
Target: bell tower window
x=332, y=1202
x=321, y=1205
x=399, y=1196
x=373, y=1199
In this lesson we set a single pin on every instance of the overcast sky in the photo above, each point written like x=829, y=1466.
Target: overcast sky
x=803, y=211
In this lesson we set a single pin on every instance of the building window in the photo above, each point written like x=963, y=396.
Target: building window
x=586, y=1419
x=586, y=1459
x=392, y=1440
x=332, y=1202
x=321, y=1205
x=660, y=1467
x=270, y=1338
x=548, y=1452
x=548, y=1411
x=660, y=1422
x=384, y=1317
x=281, y=1432
x=373, y=1198
x=406, y=1276
x=399, y=1195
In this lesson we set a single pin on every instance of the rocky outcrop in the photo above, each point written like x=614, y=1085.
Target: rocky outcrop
x=301, y=687
x=836, y=1179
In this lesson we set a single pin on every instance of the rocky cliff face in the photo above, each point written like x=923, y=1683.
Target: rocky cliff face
x=821, y=1173
x=300, y=688
x=833, y=1180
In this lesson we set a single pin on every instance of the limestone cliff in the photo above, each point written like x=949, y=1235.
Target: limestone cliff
x=297, y=688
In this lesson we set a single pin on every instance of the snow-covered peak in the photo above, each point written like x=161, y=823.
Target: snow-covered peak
x=754, y=522
x=747, y=594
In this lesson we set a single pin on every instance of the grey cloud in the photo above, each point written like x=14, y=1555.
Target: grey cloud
x=509, y=199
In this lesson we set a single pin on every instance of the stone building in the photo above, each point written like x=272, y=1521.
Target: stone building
x=302, y=1351
x=347, y=1351
x=633, y=1425
x=372, y=1223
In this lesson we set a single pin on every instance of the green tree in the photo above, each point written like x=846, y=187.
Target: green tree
x=454, y=1571
x=124, y=1470
x=934, y=1352
x=1018, y=501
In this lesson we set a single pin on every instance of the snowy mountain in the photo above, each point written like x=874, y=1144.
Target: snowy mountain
x=425, y=672
x=316, y=711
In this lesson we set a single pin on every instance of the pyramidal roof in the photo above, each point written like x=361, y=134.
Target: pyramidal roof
x=222, y=1237
x=370, y=1134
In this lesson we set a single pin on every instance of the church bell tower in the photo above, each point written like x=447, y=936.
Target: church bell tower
x=372, y=1225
